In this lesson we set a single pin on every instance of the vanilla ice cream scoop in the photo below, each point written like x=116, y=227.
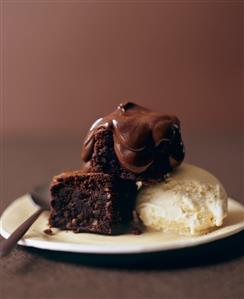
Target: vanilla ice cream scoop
x=190, y=202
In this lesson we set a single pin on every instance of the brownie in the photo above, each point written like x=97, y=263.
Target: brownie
x=104, y=160
x=91, y=202
x=135, y=144
x=130, y=144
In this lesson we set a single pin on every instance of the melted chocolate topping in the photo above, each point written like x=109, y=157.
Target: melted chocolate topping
x=138, y=135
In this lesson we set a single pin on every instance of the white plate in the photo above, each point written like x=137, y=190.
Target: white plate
x=149, y=241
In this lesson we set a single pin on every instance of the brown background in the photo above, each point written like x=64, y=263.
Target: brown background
x=67, y=64
x=64, y=64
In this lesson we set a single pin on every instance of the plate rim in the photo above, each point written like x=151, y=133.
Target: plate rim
x=128, y=249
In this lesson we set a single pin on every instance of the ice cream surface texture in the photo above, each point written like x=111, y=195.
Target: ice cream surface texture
x=190, y=202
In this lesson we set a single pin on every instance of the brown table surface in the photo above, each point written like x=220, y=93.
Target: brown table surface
x=214, y=271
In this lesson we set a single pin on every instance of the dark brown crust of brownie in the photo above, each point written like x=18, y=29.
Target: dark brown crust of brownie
x=105, y=160
x=91, y=202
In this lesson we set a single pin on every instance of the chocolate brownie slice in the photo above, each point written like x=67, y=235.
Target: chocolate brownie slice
x=135, y=144
x=91, y=202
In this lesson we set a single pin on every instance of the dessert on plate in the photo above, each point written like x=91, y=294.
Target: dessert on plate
x=132, y=162
x=129, y=145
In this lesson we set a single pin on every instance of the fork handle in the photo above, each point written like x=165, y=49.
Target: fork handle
x=7, y=245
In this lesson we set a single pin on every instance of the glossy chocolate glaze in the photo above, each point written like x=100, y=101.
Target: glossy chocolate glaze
x=139, y=136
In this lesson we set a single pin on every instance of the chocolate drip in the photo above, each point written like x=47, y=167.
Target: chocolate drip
x=139, y=136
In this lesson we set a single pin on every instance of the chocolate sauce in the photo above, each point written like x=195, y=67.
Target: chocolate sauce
x=138, y=135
